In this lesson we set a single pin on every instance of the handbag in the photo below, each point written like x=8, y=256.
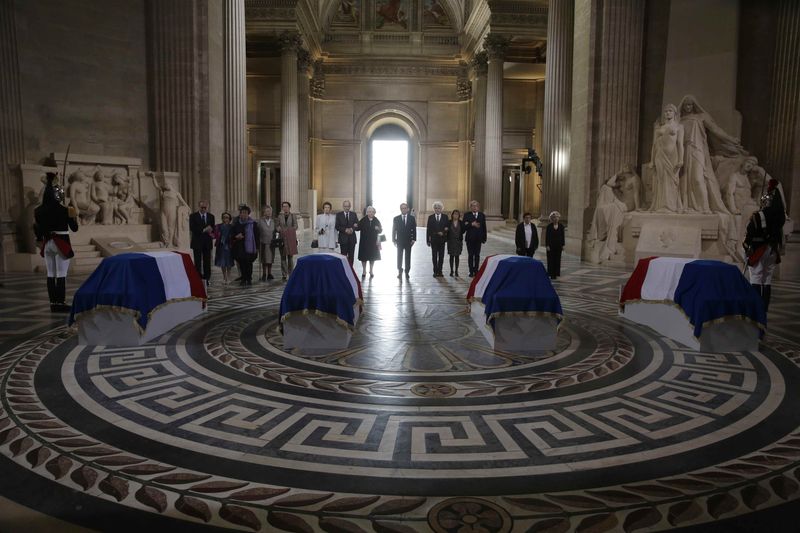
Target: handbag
x=277, y=240
x=382, y=238
x=315, y=243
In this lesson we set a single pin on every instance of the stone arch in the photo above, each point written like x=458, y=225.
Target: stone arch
x=408, y=119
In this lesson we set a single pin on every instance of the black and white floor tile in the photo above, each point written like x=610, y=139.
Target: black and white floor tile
x=418, y=426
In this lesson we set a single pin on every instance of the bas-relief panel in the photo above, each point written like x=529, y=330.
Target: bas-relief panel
x=348, y=14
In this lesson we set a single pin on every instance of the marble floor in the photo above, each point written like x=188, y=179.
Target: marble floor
x=418, y=426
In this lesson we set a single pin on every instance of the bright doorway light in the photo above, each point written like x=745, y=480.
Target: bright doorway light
x=389, y=178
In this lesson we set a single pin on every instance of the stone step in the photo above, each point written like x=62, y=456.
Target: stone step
x=80, y=248
x=86, y=261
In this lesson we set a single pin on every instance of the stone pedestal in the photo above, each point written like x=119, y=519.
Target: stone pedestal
x=646, y=234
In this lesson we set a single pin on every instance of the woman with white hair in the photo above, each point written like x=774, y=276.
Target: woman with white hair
x=369, y=245
x=554, y=244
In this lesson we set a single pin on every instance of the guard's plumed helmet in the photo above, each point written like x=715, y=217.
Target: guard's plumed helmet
x=53, y=191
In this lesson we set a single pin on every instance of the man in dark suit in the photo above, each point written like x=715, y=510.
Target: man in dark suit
x=526, y=238
x=346, y=226
x=475, y=235
x=436, y=237
x=404, y=235
x=201, y=226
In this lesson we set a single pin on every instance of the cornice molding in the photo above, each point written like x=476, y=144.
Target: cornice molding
x=388, y=69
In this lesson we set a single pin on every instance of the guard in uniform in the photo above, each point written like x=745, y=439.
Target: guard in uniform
x=764, y=241
x=52, y=224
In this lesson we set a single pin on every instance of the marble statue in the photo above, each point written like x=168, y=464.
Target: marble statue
x=125, y=201
x=700, y=190
x=174, y=228
x=102, y=196
x=630, y=188
x=666, y=159
x=738, y=177
x=80, y=197
x=608, y=216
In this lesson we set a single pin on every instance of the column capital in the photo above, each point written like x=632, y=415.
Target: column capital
x=304, y=61
x=480, y=64
x=496, y=46
x=290, y=42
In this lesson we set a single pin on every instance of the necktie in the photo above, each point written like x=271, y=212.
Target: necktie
x=437, y=218
x=204, y=218
x=404, y=220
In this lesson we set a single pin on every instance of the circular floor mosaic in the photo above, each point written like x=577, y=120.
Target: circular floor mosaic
x=217, y=425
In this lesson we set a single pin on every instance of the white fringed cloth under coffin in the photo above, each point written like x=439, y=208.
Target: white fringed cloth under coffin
x=133, y=298
x=514, y=304
x=703, y=304
x=321, y=304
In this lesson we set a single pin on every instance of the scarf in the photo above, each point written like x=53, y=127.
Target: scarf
x=249, y=236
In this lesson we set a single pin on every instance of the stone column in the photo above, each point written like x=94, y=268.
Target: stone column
x=557, y=108
x=480, y=67
x=607, y=72
x=179, y=50
x=496, y=47
x=783, y=139
x=303, y=81
x=12, y=148
x=238, y=187
x=290, y=44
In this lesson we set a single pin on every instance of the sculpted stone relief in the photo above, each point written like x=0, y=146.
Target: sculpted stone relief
x=101, y=199
x=697, y=168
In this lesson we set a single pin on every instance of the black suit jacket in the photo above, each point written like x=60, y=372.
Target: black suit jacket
x=472, y=234
x=344, y=221
x=519, y=238
x=554, y=238
x=200, y=239
x=403, y=235
x=434, y=228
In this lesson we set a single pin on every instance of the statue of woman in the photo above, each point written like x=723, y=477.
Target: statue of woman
x=666, y=157
x=700, y=189
x=171, y=202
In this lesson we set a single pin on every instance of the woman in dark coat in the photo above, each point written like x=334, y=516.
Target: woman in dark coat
x=554, y=244
x=368, y=245
x=245, y=244
x=455, y=240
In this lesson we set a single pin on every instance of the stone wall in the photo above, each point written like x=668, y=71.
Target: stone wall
x=83, y=77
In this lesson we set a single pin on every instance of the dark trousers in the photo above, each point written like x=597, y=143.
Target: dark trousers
x=437, y=257
x=403, y=249
x=349, y=249
x=202, y=262
x=474, y=256
x=246, y=268
x=554, y=263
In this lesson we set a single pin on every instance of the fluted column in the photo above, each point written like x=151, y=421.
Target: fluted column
x=290, y=43
x=12, y=149
x=238, y=186
x=783, y=140
x=557, y=107
x=480, y=67
x=496, y=47
x=303, y=80
x=179, y=45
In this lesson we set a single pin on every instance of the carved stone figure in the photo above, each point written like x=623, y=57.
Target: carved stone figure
x=666, y=158
x=174, y=228
x=737, y=176
x=700, y=191
x=630, y=188
x=80, y=197
x=608, y=217
x=125, y=200
x=102, y=195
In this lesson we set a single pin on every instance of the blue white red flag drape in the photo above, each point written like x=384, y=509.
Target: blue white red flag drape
x=707, y=291
x=323, y=284
x=514, y=285
x=138, y=283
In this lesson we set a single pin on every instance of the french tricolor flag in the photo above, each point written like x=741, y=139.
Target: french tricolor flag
x=707, y=291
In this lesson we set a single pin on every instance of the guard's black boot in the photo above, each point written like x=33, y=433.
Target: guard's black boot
x=61, y=295
x=51, y=293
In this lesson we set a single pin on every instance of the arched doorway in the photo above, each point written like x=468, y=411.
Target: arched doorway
x=388, y=170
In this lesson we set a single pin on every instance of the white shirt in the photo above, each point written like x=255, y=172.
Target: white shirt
x=528, y=232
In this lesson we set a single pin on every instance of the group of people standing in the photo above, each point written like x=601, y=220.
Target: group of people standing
x=243, y=240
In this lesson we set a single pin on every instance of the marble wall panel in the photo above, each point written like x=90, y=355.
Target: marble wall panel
x=442, y=165
x=83, y=74
x=337, y=164
x=337, y=119
x=443, y=121
x=264, y=100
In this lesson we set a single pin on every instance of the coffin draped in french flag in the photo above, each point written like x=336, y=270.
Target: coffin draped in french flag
x=132, y=298
x=706, y=305
x=514, y=296
x=321, y=303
